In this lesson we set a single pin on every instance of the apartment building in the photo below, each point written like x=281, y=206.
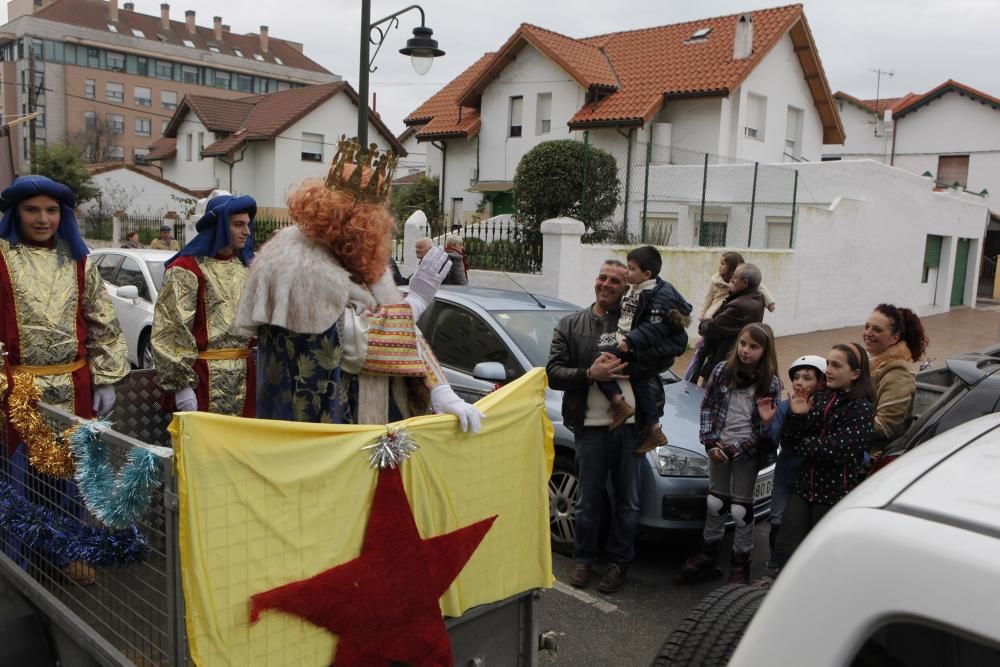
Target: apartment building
x=108, y=78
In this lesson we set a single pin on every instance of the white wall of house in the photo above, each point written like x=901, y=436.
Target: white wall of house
x=188, y=168
x=952, y=125
x=416, y=157
x=268, y=170
x=780, y=80
x=859, y=241
x=529, y=75
x=695, y=124
x=862, y=142
x=140, y=194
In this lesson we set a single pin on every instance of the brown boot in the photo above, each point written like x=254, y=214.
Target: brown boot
x=654, y=438
x=620, y=412
x=613, y=579
x=81, y=573
x=581, y=575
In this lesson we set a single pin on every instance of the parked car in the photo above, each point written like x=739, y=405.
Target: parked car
x=903, y=571
x=966, y=387
x=483, y=337
x=133, y=279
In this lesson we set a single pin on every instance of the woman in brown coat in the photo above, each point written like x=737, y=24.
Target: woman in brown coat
x=894, y=338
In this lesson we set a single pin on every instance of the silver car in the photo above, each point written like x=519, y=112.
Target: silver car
x=484, y=337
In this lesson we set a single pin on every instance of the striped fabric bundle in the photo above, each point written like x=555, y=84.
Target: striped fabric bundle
x=392, y=343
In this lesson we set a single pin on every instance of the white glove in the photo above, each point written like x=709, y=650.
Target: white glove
x=185, y=400
x=426, y=279
x=104, y=399
x=443, y=399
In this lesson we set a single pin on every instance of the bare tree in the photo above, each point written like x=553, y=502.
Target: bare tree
x=97, y=139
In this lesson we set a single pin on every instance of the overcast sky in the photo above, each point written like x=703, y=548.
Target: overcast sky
x=923, y=42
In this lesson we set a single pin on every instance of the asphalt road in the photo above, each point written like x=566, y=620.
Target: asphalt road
x=628, y=628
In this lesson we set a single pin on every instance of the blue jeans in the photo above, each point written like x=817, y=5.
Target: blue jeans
x=786, y=470
x=600, y=453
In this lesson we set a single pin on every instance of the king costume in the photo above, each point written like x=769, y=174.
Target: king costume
x=200, y=353
x=337, y=341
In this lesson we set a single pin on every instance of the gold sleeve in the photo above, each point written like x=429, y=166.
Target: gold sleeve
x=174, y=347
x=107, y=352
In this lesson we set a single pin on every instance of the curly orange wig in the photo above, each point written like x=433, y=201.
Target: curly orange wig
x=358, y=233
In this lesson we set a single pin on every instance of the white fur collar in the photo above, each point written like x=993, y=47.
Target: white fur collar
x=299, y=285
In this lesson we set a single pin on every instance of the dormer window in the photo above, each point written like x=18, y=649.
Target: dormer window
x=279, y=60
x=259, y=57
x=700, y=34
x=112, y=28
x=188, y=43
x=138, y=33
x=238, y=52
x=213, y=48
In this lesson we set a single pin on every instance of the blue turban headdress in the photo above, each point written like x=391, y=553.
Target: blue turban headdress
x=26, y=187
x=213, y=228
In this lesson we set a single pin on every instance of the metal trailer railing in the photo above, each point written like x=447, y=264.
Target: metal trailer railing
x=134, y=615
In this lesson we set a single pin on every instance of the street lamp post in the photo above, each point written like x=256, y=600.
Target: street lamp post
x=422, y=49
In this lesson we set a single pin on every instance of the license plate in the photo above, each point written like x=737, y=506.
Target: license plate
x=762, y=489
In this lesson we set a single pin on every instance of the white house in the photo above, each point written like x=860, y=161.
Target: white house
x=262, y=145
x=747, y=86
x=415, y=160
x=136, y=191
x=951, y=133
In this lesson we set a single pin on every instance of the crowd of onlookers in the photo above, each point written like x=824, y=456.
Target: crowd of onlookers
x=166, y=240
x=825, y=424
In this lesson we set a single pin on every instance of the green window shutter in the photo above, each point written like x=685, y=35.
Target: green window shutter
x=932, y=251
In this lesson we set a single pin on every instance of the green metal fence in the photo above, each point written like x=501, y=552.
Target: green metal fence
x=672, y=196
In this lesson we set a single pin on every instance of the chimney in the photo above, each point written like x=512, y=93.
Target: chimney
x=263, y=38
x=113, y=9
x=165, y=16
x=217, y=27
x=129, y=6
x=743, y=44
x=225, y=27
x=189, y=19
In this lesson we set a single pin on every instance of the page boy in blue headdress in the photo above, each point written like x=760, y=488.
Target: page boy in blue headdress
x=57, y=322
x=201, y=356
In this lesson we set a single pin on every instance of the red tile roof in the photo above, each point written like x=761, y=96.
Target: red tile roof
x=96, y=14
x=258, y=117
x=443, y=112
x=162, y=149
x=631, y=73
x=901, y=106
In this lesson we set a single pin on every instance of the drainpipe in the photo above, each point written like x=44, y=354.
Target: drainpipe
x=232, y=163
x=628, y=175
x=443, y=147
x=895, y=131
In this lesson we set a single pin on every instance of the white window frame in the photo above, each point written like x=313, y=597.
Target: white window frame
x=116, y=123
x=90, y=89
x=755, y=127
x=188, y=142
x=515, y=112
x=163, y=101
x=114, y=91
x=543, y=114
x=142, y=101
x=312, y=147
x=147, y=122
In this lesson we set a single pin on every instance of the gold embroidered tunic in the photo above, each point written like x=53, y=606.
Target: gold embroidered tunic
x=195, y=340
x=61, y=314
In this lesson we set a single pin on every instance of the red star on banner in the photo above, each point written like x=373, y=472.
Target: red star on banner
x=384, y=604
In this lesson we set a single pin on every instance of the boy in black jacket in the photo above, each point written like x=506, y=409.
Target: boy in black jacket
x=650, y=334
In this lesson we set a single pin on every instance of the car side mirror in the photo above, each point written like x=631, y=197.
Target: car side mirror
x=490, y=371
x=129, y=292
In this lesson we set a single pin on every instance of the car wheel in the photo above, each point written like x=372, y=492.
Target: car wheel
x=709, y=634
x=564, y=493
x=145, y=352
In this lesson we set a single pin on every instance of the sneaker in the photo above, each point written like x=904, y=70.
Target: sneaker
x=654, y=438
x=581, y=575
x=620, y=412
x=613, y=579
x=764, y=583
x=739, y=568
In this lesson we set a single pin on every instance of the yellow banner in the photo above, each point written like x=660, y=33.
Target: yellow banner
x=265, y=503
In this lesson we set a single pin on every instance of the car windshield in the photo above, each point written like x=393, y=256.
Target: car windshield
x=531, y=330
x=156, y=273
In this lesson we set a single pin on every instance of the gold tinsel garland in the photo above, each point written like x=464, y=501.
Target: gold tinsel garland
x=47, y=452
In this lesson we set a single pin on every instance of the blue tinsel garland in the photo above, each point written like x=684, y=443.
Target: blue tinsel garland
x=118, y=501
x=65, y=539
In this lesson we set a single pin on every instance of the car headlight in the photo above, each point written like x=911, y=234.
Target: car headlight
x=677, y=462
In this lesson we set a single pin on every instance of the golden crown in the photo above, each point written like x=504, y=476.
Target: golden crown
x=381, y=164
